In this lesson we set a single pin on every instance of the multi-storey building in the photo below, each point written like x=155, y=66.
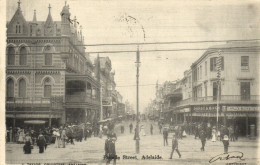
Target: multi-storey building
x=103, y=69
x=238, y=90
x=48, y=73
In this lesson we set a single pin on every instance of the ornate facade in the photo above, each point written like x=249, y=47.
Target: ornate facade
x=48, y=74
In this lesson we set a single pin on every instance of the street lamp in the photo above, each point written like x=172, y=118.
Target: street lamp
x=137, y=64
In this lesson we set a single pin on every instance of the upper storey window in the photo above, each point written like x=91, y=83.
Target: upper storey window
x=48, y=55
x=244, y=62
x=10, y=56
x=23, y=56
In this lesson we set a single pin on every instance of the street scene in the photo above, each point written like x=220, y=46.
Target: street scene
x=109, y=82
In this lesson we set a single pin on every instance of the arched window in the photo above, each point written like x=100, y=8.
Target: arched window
x=22, y=88
x=47, y=88
x=10, y=89
x=23, y=56
x=48, y=55
x=11, y=56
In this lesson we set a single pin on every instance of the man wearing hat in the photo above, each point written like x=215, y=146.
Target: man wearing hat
x=41, y=142
x=175, y=146
x=110, y=149
x=225, y=143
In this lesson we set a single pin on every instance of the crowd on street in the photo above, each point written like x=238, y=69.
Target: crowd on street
x=68, y=133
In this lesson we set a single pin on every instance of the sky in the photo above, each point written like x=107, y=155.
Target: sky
x=143, y=21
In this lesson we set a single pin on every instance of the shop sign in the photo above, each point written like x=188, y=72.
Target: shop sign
x=241, y=108
x=236, y=114
x=205, y=108
x=107, y=101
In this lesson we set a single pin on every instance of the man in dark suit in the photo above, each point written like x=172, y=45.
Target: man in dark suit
x=175, y=146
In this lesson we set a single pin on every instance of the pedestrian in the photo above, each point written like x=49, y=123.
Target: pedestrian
x=110, y=149
x=151, y=129
x=175, y=146
x=225, y=143
x=122, y=129
x=203, y=139
x=100, y=131
x=57, y=137
x=21, y=136
x=28, y=142
x=196, y=131
x=131, y=127
x=63, y=138
x=232, y=133
x=41, y=142
x=142, y=130
x=160, y=128
x=236, y=132
x=214, y=132
x=165, y=136
x=11, y=134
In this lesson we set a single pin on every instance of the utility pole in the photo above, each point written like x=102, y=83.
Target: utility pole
x=219, y=66
x=137, y=101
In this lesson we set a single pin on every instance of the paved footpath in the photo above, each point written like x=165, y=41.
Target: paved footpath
x=92, y=151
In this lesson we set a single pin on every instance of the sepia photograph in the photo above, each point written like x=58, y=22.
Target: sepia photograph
x=130, y=82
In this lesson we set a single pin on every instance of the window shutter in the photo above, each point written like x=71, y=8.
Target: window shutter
x=211, y=64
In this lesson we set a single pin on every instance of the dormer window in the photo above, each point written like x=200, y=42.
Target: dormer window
x=18, y=28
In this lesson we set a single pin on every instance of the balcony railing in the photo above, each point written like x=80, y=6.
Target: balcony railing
x=54, y=102
x=82, y=98
x=223, y=99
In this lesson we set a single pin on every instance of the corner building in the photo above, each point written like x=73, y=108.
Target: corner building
x=239, y=88
x=48, y=74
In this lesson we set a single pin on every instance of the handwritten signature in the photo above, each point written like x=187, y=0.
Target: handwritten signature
x=234, y=155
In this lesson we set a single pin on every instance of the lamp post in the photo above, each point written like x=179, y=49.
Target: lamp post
x=137, y=138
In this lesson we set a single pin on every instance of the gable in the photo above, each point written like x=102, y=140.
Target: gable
x=18, y=24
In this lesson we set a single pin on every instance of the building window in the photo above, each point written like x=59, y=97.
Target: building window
x=198, y=72
x=11, y=56
x=22, y=88
x=213, y=63
x=205, y=68
x=23, y=56
x=48, y=56
x=244, y=62
x=10, y=89
x=47, y=88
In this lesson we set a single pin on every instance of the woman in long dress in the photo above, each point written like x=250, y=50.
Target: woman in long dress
x=63, y=138
x=57, y=138
x=214, y=132
x=142, y=130
x=21, y=136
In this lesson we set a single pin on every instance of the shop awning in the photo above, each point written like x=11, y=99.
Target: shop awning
x=34, y=122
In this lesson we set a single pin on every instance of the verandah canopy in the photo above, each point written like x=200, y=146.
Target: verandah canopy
x=34, y=122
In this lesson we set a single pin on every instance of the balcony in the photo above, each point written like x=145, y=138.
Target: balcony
x=53, y=102
x=82, y=98
x=225, y=99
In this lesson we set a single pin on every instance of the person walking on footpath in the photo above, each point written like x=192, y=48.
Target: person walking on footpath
x=225, y=143
x=165, y=136
x=110, y=149
x=28, y=142
x=214, y=134
x=203, y=139
x=131, y=127
x=160, y=128
x=151, y=129
x=175, y=146
x=41, y=143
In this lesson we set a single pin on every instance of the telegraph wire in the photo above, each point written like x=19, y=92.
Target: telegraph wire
x=152, y=43
x=151, y=50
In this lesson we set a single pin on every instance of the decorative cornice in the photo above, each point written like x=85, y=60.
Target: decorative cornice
x=18, y=72
x=33, y=41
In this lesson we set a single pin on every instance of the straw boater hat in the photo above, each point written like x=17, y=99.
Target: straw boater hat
x=225, y=137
